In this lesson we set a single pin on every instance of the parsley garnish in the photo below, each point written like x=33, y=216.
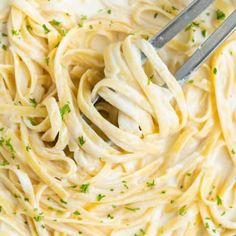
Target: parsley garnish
x=220, y=15
x=39, y=217
x=155, y=15
x=55, y=22
x=47, y=61
x=132, y=209
x=81, y=141
x=4, y=163
x=192, y=26
x=233, y=152
x=4, y=35
x=215, y=70
x=218, y=201
x=81, y=21
x=84, y=188
x=204, y=33
x=14, y=32
x=182, y=210
x=76, y=213
x=150, y=79
x=63, y=201
x=110, y=216
x=4, y=47
x=29, y=28
x=46, y=30
x=33, y=102
x=28, y=148
x=100, y=197
x=9, y=145
x=65, y=109
x=151, y=184
x=109, y=11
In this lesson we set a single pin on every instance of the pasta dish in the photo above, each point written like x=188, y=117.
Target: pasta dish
x=145, y=159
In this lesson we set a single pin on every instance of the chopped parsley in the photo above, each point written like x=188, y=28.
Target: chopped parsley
x=65, y=109
x=4, y=47
x=10, y=146
x=100, y=197
x=218, y=201
x=220, y=15
x=182, y=210
x=125, y=184
x=215, y=70
x=15, y=32
x=84, y=188
x=192, y=26
x=207, y=225
x=109, y=11
x=76, y=213
x=55, y=22
x=46, y=30
x=47, y=61
x=28, y=148
x=4, y=35
x=132, y=209
x=39, y=217
x=155, y=15
x=90, y=27
x=151, y=184
x=204, y=33
x=32, y=121
x=150, y=79
x=1, y=129
x=233, y=152
x=81, y=141
x=29, y=28
x=33, y=102
x=63, y=201
x=110, y=216
x=188, y=174
x=81, y=21
x=4, y=163
x=163, y=192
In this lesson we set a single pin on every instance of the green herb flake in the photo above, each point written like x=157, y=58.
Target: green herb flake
x=163, y=192
x=10, y=146
x=29, y=28
x=4, y=163
x=84, y=188
x=220, y=15
x=39, y=217
x=132, y=209
x=155, y=15
x=55, y=22
x=192, y=26
x=233, y=152
x=47, y=61
x=15, y=32
x=188, y=174
x=65, y=110
x=1, y=129
x=204, y=33
x=76, y=213
x=4, y=47
x=110, y=216
x=215, y=70
x=28, y=148
x=109, y=11
x=33, y=102
x=218, y=201
x=63, y=201
x=81, y=21
x=32, y=121
x=150, y=79
x=4, y=35
x=151, y=184
x=183, y=210
x=46, y=30
x=81, y=141
x=100, y=197
x=207, y=225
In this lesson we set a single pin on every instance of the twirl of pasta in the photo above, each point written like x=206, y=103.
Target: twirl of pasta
x=145, y=159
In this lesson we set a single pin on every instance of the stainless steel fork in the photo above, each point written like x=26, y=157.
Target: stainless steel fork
x=205, y=50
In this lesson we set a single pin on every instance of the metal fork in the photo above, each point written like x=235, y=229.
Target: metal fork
x=205, y=50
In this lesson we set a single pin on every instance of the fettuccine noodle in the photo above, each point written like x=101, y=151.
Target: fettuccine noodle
x=146, y=159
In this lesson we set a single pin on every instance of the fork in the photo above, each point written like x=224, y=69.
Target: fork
x=178, y=24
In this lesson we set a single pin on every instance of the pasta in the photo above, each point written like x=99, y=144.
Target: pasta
x=143, y=160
